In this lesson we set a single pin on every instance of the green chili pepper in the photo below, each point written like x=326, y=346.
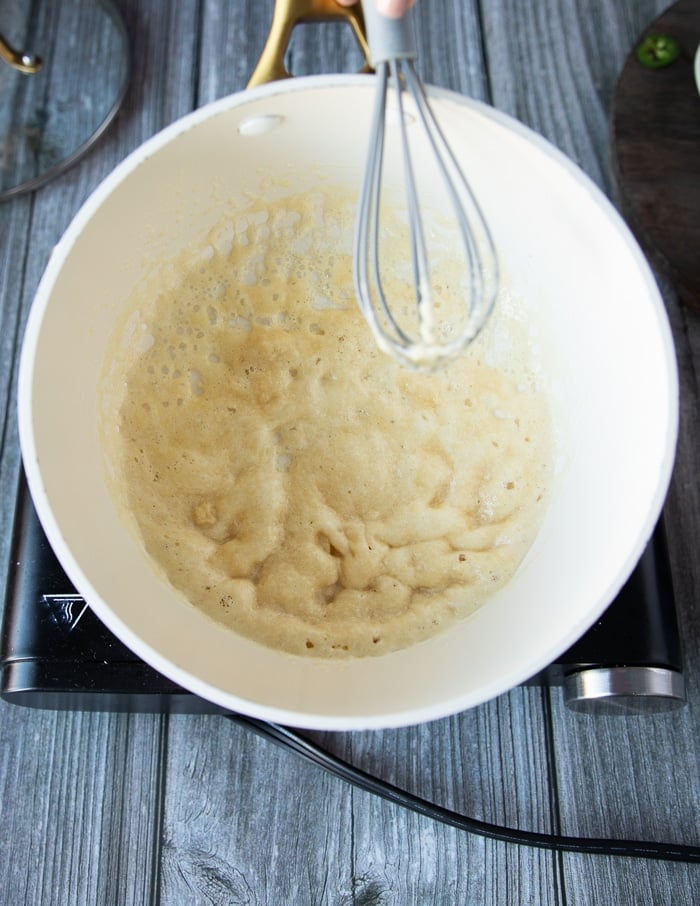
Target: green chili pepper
x=657, y=51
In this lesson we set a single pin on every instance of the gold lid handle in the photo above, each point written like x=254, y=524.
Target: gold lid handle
x=289, y=13
x=17, y=59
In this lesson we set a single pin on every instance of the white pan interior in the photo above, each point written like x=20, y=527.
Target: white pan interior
x=609, y=353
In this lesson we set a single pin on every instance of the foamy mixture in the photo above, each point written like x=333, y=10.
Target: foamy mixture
x=294, y=482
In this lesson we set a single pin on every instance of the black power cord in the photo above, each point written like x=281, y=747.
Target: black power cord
x=288, y=739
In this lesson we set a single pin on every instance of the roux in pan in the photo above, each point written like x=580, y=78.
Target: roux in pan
x=293, y=481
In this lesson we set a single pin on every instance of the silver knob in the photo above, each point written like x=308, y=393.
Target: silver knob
x=624, y=690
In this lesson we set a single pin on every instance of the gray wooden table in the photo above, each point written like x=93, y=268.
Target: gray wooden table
x=115, y=808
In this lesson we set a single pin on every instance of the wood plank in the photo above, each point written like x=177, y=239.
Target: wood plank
x=233, y=36
x=76, y=811
x=449, y=37
x=239, y=813
x=245, y=822
x=613, y=775
x=14, y=220
x=80, y=792
x=555, y=69
x=489, y=763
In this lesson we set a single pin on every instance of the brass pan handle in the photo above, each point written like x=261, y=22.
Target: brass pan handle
x=289, y=13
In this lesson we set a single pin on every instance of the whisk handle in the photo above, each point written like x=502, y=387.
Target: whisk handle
x=388, y=38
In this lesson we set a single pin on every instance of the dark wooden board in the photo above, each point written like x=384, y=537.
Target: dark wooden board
x=655, y=145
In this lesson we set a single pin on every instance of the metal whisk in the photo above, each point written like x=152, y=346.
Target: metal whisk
x=426, y=339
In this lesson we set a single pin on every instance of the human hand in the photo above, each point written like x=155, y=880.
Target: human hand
x=393, y=9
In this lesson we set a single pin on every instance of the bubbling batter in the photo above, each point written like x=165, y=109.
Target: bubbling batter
x=294, y=482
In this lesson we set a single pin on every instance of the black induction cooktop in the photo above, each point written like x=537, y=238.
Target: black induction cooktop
x=55, y=653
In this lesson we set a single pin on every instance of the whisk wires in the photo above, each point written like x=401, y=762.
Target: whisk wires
x=432, y=341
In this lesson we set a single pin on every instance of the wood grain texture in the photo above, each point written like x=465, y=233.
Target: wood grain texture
x=149, y=810
x=555, y=69
x=468, y=764
x=323, y=842
x=245, y=823
x=79, y=807
x=613, y=775
x=79, y=792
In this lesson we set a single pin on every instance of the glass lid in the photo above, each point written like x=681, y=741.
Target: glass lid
x=64, y=70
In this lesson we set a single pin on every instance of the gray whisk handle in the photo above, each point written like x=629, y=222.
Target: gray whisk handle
x=388, y=38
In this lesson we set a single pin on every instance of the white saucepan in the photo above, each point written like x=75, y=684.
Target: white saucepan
x=609, y=353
